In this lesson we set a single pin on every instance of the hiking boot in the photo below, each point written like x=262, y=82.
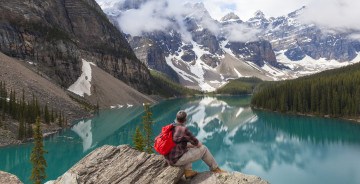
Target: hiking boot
x=190, y=173
x=219, y=170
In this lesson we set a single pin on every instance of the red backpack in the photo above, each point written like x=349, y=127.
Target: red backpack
x=164, y=143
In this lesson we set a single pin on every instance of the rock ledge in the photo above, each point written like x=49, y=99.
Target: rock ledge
x=124, y=164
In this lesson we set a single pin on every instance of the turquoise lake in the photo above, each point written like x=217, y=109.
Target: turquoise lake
x=280, y=148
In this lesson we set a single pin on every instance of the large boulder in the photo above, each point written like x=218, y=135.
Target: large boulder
x=124, y=164
x=9, y=178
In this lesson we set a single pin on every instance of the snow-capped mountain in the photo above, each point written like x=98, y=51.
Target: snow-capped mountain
x=306, y=48
x=200, y=52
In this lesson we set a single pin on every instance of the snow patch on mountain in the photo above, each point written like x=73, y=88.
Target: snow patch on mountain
x=238, y=73
x=308, y=65
x=83, y=84
x=273, y=71
x=189, y=71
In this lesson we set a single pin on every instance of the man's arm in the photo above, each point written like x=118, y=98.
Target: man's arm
x=195, y=146
x=191, y=138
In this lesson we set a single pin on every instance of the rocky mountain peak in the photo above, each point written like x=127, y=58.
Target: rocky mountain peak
x=297, y=12
x=230, y=17
x=259, y=14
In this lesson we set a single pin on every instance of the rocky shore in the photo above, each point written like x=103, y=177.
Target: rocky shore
x=7, y=178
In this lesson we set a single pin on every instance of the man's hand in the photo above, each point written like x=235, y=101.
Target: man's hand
x=190, y=146
x=199, y=144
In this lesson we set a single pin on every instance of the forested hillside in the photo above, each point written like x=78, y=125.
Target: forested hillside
x=334, y=93
x=244, y=85
x=239, y=86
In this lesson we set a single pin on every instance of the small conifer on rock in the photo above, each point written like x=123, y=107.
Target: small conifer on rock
x=138, y=140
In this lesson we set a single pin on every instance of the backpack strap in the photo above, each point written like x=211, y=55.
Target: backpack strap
x=173, y=129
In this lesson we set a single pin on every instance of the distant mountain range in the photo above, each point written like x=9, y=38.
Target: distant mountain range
x=202, y=53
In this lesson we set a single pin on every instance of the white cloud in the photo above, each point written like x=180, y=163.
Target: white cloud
x=149, y=17
x=246, y=8
x=333, y=15
x=108, y=4
x=240, y=33
x=355, y=36
x=340, y=15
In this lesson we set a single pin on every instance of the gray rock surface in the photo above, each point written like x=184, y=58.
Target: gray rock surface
x=148, y=52
x=55, y=35
x=7, y=178
x=226, y=178
x=124, y=164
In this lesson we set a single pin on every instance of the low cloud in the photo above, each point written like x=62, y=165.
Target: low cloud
x=246, y=8
x=152, y=16
x=240, y=33
x=355, y=36
x=110, y=4
x=339, y=15
x=163, y=15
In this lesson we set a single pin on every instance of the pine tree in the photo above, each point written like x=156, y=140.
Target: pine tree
x=46, y=115
x=29, y=132
x=37, y=156
x=138, y=140
x=66, y=122
x=3, y=114
x=21, y=131
x=60, y=120
x=52, y=117
x=147, y=122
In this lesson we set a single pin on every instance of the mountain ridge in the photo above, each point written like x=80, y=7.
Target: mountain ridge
x=57, y=34
x=194, y=45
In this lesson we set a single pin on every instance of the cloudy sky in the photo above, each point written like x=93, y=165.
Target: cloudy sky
x=246, y=8
x=337, y=14
x=341, y=15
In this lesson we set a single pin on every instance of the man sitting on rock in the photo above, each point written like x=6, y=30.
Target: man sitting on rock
x=184, y=154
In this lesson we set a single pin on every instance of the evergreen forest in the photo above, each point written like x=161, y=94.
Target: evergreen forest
x=333, y=93
x=25, y=112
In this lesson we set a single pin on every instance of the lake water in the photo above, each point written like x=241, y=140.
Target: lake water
x=277, y=147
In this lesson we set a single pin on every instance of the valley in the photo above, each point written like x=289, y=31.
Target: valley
x=268, y=95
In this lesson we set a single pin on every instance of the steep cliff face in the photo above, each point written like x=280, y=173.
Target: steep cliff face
x=257, y=52
x=298, y=40
x=149, y=52
x=55, y=35
x=124, y=164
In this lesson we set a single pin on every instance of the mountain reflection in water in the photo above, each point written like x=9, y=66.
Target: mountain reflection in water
x=280, y=148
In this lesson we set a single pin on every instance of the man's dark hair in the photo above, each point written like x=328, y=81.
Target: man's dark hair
x=181, y=116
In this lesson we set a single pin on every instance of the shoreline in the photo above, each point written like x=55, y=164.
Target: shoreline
x=356, y=121
x=48, y=133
